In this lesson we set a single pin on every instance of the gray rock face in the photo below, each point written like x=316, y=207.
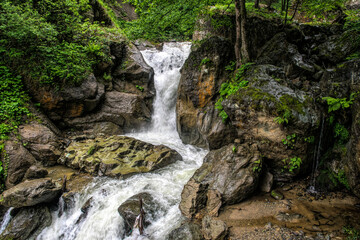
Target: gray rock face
x=19, y=160
x=278, y=51
x=214, y=229
x=187, y=231
x=27, y=223
x=130, y=209
x=352, y=160
x=42, y=143
x=117, y=156
x=338, y=47
x=30, y=193
x=198, y=122
x=232, y=172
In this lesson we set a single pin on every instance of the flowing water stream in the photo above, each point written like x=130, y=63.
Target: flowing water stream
x=103, y=220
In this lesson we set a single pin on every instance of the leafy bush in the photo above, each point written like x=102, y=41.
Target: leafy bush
x=49, y=41
x=335, y=104
x=13, y=102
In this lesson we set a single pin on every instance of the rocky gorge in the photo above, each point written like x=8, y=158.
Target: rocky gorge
x=289, y=133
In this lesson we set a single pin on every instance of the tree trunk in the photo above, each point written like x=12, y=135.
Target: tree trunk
x=257, y=3
x=286, y=10
x=241, y=45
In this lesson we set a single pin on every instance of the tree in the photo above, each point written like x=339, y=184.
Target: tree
x=241, y=45
x=256, y=5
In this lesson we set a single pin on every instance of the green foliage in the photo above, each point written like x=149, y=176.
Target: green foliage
x=162, y=20
x=3, y=166
x=50, y=41
x=341, y=133
x=322, y=9
x=284, y=118
x=310, y=139
x=140, y=88
x=229, y=88
x=335, y=104
x=13, y=102
x=205, y=61
x=292, y=164
x=351, y=232
x=257, y=166
x=234, y=149
x=290, y=140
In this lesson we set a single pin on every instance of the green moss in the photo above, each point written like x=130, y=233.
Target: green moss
x=291, y=103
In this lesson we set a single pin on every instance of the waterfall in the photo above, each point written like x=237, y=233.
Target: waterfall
x=165, y=185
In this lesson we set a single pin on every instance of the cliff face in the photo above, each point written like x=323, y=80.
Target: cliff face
x=282, y=109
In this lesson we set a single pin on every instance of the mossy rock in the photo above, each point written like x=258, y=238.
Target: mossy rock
x=117, y=156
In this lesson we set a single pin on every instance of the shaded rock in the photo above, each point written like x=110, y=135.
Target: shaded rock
x=214, y=229
x=197, y=120
x=277, y=195
x=126, y=110
x=27, y=223
x=18, y=159
x=352, y=159
x=278, y=51
x=338, y=47
x=231, y=174
x=130, y=209
x=117, y=156
x=71, y=101
x=266, y=182
x=43, y=143
x=35, y=172
x=288, y=217
x=187, y=231
x=30, y=193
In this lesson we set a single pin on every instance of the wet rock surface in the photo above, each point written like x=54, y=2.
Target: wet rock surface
x=299, y=215
x=30, y=193
x=27, y=223
x=130, y=209
x=117, y=156
x=187, y=231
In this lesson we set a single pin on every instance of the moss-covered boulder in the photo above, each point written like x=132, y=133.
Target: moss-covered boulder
x=117, y=156
x=283, y=119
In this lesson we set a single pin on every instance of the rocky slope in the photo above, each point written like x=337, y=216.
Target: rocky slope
x=279, y=112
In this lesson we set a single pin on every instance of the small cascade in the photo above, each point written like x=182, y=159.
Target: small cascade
x=6, y=220
x=101, y=219
x=317, y=154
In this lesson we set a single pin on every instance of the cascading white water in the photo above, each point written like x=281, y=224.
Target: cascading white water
x=103, y=221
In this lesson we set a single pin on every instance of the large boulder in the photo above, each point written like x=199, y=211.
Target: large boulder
x=130, y=209
x=30, y=193
x=18, y=159
x=280, y=118
x=227, y=176
x=203, y=73
x=214, y=229
x=42, y=143
x=187, y=231
x=117, y=156
x=69, y=102
x=27, y=223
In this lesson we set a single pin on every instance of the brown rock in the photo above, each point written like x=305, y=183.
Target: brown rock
x=214, y=229
x=30, y=193
x=18, y=159
x=43, y=143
